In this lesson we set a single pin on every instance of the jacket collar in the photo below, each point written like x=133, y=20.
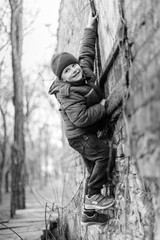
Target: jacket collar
x=63, y=87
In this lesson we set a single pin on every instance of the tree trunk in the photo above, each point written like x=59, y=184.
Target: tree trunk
x=3, y=151
x=18, y=151
x=7, y=181
x=0, y=186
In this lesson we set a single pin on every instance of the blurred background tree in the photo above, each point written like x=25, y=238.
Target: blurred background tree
x=30, y=124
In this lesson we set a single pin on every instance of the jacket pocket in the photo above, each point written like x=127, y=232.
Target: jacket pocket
x=91, y=144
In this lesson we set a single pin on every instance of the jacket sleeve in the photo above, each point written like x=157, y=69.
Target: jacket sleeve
x=79, y=114
x=87, y=49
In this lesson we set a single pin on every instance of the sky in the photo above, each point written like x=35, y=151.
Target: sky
x=38, y=46
x=40, y=41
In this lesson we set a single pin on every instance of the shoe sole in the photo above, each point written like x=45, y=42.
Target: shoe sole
x=92, y=223
x=97, y=207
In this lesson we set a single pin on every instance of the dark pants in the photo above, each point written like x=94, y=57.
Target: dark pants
x=95, y=154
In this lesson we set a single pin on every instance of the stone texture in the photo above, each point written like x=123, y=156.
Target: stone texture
x=137, y=132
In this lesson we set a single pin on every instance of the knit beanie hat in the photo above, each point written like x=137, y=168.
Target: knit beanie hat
x=60, y=61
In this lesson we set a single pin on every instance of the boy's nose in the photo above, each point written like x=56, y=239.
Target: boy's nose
x=74, y=70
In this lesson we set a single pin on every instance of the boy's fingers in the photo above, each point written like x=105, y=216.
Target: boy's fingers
x=95, y=17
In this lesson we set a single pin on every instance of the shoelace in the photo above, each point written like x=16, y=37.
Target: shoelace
x=100, y=198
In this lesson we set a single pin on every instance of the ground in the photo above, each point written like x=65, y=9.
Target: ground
x=5, y=207
x=31, y=221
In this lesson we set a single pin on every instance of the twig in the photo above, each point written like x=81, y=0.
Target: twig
x=42, y=196
x=35, y=195
x=4, y=221
x=12, y=230
x=46, y=221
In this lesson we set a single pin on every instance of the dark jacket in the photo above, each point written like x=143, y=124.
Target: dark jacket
x=80, y=107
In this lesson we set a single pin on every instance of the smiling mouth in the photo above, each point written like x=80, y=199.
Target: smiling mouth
x=76, y=74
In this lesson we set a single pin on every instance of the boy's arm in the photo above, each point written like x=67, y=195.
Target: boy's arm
x=79, y=114
x=87, y=46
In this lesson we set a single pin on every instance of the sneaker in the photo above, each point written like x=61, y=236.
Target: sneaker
x=96, y=219
x=98, y=201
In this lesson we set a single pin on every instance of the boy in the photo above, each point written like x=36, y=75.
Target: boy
x=82, y=107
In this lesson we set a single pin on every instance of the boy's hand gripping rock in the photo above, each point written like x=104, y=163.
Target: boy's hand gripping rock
x=92, y=21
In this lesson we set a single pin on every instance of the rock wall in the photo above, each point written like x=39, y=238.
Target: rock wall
x=129, y=36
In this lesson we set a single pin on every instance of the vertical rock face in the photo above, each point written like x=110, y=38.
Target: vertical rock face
x=129, y=36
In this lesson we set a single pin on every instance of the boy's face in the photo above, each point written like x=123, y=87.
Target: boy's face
x=72, y=73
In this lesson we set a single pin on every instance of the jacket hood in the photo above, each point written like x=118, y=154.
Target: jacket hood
x=59, y=86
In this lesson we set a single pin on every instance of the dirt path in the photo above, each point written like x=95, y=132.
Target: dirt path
x=27, y=223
